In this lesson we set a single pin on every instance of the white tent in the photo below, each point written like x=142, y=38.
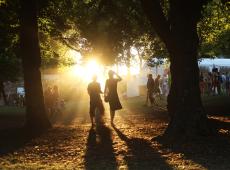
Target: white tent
x=219, y=62
x=214, y=63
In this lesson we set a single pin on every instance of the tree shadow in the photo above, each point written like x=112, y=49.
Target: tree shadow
x=141, y=155
x=13, y=139
x=210, y=152
x=99, y=151
x=217, y=124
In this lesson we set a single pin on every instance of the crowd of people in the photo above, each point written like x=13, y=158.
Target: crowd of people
x=215, y=83
x=156, y=87
x=53, y=102
x=211, y=83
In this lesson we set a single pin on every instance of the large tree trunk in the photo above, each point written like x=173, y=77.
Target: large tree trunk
x=2, y=91
x=184, y=100
x=180, y=37
x=36, y=117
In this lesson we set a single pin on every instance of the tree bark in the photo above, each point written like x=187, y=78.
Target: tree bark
x=2, y=91
x=36, y=117
x=187, y=116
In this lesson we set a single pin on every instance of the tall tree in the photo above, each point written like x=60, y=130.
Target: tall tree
x=179, y=33
x=36, y=117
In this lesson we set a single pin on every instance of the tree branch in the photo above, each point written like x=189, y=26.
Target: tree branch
x=155, y=14
x=65, y=42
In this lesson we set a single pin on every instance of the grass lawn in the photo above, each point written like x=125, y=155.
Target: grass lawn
x=11, y=110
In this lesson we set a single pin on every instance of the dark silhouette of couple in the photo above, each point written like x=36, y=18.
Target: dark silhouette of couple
x=110, y=96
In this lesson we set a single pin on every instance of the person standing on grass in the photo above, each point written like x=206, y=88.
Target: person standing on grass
x=227, y=84
x=150, y=89
x=94, y=91
x=55, y=95
x=48, y=100
x=202, y=83
x=157, y=85
x=209, y=83
x=219, y=82
x=111, y=94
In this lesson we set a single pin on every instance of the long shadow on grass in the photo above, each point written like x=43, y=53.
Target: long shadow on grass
x=211, y=152
x=99, y=152
x=141, y=155
x=13, y=139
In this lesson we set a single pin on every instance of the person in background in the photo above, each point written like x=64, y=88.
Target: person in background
x=48, y=100
x=223, y=78
x=214, y=83
x=209, y=83
x=201, y=83
x=157, y=85
x=150, y=90
x=219, y=83
x=94, y=91
x=165, y=85
x=227, y=83
x=111, y=94
x=55, y=94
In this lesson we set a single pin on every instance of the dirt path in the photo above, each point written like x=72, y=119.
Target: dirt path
x=129, y=145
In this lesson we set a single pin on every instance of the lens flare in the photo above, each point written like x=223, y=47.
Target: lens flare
x=86, y=71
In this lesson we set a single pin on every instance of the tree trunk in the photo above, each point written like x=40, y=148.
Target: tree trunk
x=180, y=37
x=184, y=101
x=36, y=117
x=2, y=91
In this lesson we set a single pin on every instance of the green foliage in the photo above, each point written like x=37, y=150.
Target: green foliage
x=107, y=30
x=214, y=29
x=9, y=61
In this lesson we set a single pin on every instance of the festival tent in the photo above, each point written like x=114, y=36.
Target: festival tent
x=216, y=62
x=221, y=64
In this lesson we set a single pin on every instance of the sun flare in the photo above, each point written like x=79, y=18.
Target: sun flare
x=87, y=70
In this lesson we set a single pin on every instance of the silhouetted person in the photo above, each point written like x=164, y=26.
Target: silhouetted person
x=219, y=82
x=48, y=100
x=227, y=84
x=111, y=93
x=202, y=83
x=55, y=94
x=150, y=88
x=157, y=85
x=94, y=91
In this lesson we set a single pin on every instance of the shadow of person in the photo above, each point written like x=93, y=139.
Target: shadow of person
x=99, y=152
x=141, y=155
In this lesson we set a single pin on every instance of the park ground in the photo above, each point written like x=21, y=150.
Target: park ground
x=132, y=144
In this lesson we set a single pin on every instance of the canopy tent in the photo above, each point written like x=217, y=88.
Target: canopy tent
x=217, y=62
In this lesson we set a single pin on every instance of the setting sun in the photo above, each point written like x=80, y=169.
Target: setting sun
x=86, y=71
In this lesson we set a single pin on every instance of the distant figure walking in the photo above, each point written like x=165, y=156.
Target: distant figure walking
x=157, y=85
x=111, y=95
x=55, y=95
x=202, y=83
x=48, y=100
x=150, y=90
x=227, y=84
x=94, y=91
